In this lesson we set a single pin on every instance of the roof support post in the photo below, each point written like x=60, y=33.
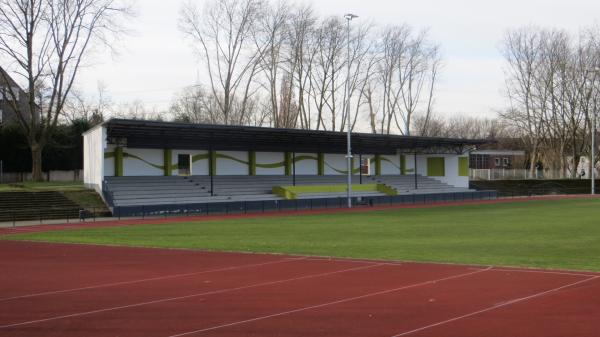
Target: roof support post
x=416, y=176
x=294, y=168
x=252, y=163
x=118, y=161
x=212, y=169
x=360, y=173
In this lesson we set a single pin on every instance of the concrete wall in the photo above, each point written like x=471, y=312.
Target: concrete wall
x=450, y=177
x=232, y=163
x=264, y=159
x=94, y=143
x=307, y=164
x=142, y=162
x=151, y=162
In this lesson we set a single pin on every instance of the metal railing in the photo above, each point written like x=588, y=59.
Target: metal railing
x=236, y=207
x=50, y=214
x=518, y=174
x=273, y=206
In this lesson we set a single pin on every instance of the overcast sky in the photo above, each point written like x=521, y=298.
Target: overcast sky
x=156, y=61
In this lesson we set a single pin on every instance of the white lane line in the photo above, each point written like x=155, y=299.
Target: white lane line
x=344, y=300
x=539, y=271
x=214, y=292
x=158, y=278
x=500, y=305
x=470, y=266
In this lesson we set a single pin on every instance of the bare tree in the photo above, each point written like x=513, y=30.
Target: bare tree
x=552, y=94
x=408, y=70
x=78, y=106
x=222, y=34
x=46, y=42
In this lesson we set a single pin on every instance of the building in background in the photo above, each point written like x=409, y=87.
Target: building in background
x=7, y=111
x=497, y=159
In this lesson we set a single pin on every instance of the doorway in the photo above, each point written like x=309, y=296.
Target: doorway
x=184, y=164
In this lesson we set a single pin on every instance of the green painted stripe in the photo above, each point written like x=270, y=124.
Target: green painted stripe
x=321, y=164
x=377, y=165
x=288, y=163
x=463, y=166
x=119, y=161
x=436, y=167
x=168, y=162
x=354, y=170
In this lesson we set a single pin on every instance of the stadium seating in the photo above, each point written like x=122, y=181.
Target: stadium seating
x=406, y=184
x=153, y=190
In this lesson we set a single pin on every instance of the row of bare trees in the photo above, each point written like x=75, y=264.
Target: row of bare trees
x=284, y=66
x=45, y=43
x=553, y=91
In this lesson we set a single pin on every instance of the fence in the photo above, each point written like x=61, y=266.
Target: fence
x=66, y=176
x=41, y=215
x=517, y=174
x=262, y=206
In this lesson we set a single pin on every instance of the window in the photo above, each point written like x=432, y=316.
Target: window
x=5, y=93
x=506, y=161
x=497, y=161
x=1, y=116
x=365, y=165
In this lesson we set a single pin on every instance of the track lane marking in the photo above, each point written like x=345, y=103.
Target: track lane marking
x=162, y=300
x=344, y=300
x=158, y=278
x=500, y=305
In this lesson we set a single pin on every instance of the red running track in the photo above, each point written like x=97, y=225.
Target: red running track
x=79, y=290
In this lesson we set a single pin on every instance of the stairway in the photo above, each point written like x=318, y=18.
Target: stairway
x=18, y=206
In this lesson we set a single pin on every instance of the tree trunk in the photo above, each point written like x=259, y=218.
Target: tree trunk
x=36, y=162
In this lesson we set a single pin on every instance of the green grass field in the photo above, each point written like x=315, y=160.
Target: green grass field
x=562, y=234
x=30, y=186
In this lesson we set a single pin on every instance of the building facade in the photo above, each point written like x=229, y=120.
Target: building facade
x=141, y=148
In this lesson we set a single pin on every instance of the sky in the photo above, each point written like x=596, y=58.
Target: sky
x=155, y=60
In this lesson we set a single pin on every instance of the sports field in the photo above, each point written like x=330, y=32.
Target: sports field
x=338, y=274
x=559, y=234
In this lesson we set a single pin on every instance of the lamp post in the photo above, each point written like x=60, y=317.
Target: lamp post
x=349, y=17
x=596, y=70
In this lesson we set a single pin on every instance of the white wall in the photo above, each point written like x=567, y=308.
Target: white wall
x=109, y=163
x=338, y=162
x=137, y=167
x=451, y=169
x=94, y=142
x=392, y=166
x=307, y=166
x=452, y=177
x=227, y=166
x=269, y=158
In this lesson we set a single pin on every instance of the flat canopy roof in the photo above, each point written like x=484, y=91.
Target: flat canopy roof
x=186, y=136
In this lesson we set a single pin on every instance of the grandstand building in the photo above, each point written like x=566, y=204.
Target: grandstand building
x=156, y=165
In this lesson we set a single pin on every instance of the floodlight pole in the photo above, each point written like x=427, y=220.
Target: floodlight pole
x=349, y=18
x=593, y=170
x=596, y=70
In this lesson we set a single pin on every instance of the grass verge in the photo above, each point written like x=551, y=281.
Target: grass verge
x=559, y=234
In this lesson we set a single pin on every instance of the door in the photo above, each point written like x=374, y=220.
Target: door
x=184, y=164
